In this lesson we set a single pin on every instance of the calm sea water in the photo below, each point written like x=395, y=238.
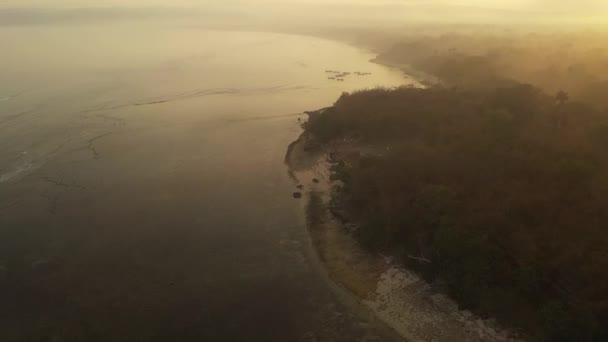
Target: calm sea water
x=143, y=195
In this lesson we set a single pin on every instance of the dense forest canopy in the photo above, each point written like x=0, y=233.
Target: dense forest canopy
x=501, y=191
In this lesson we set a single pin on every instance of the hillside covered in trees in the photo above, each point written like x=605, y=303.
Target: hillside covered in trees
x=575, y=62
x=497, y=195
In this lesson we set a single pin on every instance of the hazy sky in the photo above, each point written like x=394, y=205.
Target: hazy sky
x=524, y=5
x=363, y=10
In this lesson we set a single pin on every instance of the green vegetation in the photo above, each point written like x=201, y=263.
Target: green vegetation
x=498, y=195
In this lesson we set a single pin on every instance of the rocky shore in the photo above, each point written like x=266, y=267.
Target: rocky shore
x=395, y=295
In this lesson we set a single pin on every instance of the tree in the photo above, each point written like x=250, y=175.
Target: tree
x=561, y=97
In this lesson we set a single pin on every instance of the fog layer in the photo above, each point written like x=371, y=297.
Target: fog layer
x=300, y=12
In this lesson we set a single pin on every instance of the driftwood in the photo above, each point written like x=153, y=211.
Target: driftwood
x=421, y=259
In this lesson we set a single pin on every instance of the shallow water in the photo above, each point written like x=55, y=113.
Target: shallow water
x=143, y=194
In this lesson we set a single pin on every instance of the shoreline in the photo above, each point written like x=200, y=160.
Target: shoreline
x=421, y=77
x=303, y=168
x=394, y=295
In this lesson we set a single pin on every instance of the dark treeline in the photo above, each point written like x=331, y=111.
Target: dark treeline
x=498, y=195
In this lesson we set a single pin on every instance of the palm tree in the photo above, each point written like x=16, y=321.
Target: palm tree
x=561, y=97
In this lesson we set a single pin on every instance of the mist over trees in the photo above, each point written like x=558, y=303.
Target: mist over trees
x=490, y=181
x=572, y=62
